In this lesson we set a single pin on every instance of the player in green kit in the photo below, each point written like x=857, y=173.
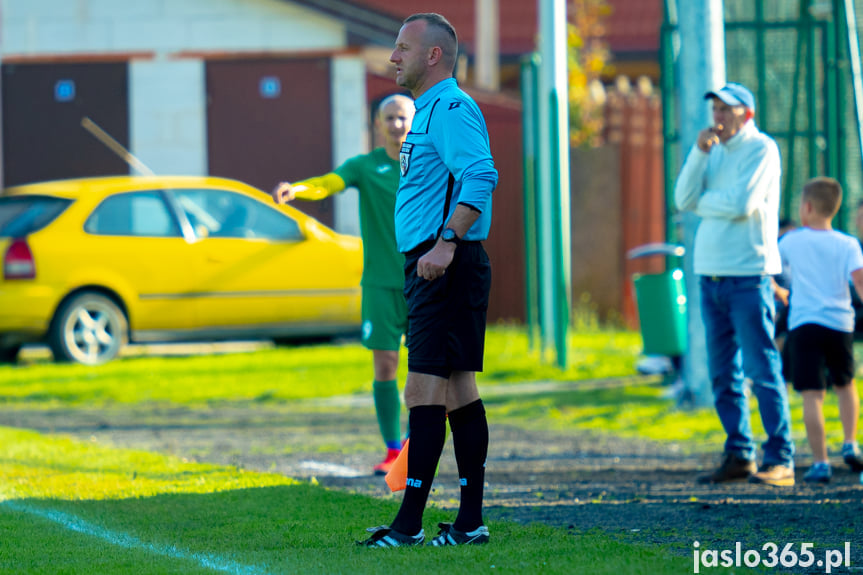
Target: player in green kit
x=384, y=313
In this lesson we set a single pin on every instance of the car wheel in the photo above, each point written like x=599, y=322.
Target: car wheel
x=9, y=354
x=89, y=328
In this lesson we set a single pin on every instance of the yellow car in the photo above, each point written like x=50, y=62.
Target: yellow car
x=91, y=264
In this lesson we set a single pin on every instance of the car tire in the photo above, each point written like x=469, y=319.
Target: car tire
x=89, y=328
x=9, y=354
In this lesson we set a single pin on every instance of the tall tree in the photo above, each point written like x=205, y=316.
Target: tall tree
x=588, y=59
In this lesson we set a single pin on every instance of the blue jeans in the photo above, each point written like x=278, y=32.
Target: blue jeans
x=738, y=318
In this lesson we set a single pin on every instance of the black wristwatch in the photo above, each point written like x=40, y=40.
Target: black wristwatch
x=449, y=235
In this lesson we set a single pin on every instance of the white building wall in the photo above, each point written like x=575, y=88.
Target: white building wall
x=168, y=115
x=350, y=132
x=163, y=26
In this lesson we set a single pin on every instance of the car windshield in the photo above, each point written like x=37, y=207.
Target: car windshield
x=22, y=215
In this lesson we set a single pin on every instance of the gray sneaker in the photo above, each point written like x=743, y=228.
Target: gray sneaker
x=449, y=535
x=818, y=473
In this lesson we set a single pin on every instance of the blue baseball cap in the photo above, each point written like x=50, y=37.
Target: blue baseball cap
x=734, y=95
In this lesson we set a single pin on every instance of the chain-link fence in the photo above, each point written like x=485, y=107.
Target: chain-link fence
x=794, y=56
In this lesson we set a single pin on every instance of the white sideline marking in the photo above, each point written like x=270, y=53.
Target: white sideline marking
x=332, y=469
x=79, y=525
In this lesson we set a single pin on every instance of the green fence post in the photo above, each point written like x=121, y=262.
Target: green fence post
x=530, y=133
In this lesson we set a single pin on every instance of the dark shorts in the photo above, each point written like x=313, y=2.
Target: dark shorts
x=817, y=350
x=447, y=316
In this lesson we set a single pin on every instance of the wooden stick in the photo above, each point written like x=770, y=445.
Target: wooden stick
x=115, y=146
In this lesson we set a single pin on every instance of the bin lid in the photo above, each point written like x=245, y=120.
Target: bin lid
x=656, y=248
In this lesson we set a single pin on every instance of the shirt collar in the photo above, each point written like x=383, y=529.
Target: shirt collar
x=743, y=134
x=432, y=93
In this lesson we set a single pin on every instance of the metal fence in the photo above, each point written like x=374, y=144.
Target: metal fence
x=794, y=55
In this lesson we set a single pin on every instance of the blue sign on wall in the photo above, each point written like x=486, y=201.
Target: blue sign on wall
x=64, y=90
x=270, y=87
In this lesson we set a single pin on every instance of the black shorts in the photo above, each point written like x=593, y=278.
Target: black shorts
x=817, y=350
x=447, y=316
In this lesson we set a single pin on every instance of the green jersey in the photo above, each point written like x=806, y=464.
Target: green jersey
x=376, y=176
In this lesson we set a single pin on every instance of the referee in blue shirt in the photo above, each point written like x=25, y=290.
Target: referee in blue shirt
x=443, y=212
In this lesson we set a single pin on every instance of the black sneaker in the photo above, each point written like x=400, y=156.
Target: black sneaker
x=449, y=535
x=851, y=457
x=384, y=536
x=733, y=468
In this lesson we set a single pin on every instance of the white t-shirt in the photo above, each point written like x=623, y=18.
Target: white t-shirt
x=820, y=263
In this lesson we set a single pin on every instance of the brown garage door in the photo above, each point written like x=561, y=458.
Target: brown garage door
x=269, y=120
x=42, y=109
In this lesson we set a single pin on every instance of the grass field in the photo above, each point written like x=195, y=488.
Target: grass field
x=73, y=506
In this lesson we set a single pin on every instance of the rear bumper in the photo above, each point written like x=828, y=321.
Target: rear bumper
x=25, y=312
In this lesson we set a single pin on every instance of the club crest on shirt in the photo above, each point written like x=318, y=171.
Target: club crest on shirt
x=405, y=157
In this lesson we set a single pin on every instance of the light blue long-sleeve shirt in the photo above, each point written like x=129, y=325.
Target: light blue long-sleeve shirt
x=445, y=160
x=735, y=189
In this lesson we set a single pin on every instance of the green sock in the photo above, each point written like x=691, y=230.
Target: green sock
x=388, y=407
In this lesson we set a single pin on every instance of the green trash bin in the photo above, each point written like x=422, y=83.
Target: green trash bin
x=661, y=302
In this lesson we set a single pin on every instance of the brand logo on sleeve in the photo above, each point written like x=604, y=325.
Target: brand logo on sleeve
x=454, y=105
x=405, y=157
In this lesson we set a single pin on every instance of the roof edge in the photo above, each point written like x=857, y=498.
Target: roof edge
x=370, y=25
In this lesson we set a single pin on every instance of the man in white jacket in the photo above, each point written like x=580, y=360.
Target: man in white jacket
x=730, y=179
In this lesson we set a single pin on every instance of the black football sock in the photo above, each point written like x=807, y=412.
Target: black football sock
x=427, y=424
x=470, y=443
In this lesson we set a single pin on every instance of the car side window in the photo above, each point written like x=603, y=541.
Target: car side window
x=142, y=213
x=226, y=214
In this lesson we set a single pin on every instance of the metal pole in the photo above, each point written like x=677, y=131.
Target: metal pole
x=529, y=116
x=841, y=67
x=812, y=96
x=702, y=66
x=802, y=40
x=670, y=49
x=760, y=66
x=856, y=72
x=487, y=45
x=554, y=105
x=830, y=98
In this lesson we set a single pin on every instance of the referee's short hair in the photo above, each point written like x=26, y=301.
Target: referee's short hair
x=439, y=32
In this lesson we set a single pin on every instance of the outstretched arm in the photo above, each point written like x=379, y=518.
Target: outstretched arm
x=311, y=189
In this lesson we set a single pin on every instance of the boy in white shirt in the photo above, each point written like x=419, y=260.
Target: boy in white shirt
x=820, y=261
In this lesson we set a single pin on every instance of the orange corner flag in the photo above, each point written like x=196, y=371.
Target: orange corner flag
x=398, y=475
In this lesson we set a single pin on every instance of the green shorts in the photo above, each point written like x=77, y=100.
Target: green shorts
x=385, y=317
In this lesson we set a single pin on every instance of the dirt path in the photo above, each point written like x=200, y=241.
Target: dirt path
x=637, y=491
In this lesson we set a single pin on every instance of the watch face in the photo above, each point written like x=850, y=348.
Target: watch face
x=448, y=235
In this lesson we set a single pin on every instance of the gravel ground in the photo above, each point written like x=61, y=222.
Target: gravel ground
x=637, y=491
